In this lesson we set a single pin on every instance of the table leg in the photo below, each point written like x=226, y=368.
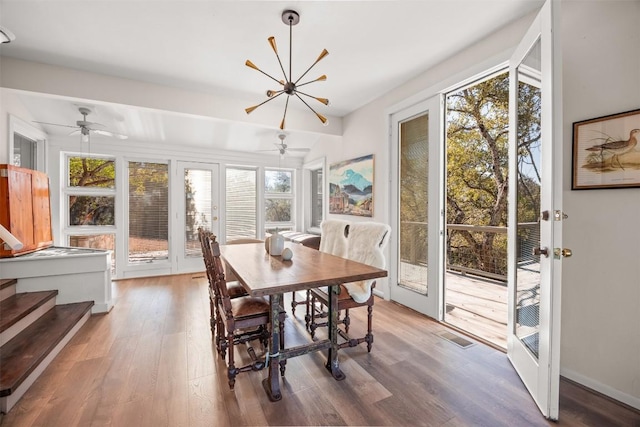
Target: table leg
x=333, y=365
x=271, y=384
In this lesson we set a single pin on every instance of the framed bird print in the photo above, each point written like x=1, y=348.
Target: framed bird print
x=606, y=153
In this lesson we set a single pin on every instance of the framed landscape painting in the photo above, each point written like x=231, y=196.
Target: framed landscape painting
x=351, y=187
x=605, y=152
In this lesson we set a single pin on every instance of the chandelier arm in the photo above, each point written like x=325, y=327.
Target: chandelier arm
x=324, y=101
x=322, y=118
x=284, y=116
x=272, y=42
x=322, y=55
x=250, y=109
x=306, y=83
x=268, y=75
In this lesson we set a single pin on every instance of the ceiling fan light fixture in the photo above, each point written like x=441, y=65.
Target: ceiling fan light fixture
x=6, y=36
x=289, y=86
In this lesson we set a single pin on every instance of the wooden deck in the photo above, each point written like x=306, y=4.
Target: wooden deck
x=478, y=305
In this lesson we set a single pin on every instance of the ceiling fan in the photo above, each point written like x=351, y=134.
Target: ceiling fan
x=85, y=127
x=283, y=148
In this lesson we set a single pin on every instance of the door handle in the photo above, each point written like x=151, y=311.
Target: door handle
x=541, y=251
x=564, y=252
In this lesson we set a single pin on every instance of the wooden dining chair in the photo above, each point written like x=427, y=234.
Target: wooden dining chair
x=242, y=319
x=234, y=289
x=334, y=242
x=365, y=243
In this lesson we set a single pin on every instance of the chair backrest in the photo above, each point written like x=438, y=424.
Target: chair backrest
x=218, y=275
x=365, y=243
x=204, y=238
x=334, y=237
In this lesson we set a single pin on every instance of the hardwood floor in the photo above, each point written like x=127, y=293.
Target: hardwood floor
x=150, y=362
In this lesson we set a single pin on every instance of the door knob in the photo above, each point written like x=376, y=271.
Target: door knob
x=564, y=252
x=541, y=251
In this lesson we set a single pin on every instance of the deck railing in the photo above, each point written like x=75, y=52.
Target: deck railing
x=486, y=258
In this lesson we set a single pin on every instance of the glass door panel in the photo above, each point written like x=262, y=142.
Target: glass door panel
x=198, y=207
x=530, y=168
x=414, y=184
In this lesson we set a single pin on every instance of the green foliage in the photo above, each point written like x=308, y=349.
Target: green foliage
x=91, y=172
x=478, y=169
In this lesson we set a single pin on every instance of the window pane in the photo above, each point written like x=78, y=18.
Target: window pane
x=278, y=210
x=414, y=185
x=96, y=241
x=148, y=212
x=24, y=152
x=241, y=199
x=277, y=181
x=92, y=210
x=316, y=197
x=197, y=190
x=92, y=172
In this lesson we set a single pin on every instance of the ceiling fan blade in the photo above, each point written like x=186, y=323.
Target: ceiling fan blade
x=109, y=133
x=55, y=124
x=299, y=149
x=75, y=132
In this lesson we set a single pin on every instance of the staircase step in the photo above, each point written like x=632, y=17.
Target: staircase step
x=7, y=288
x=26, y=356
x=20, y=310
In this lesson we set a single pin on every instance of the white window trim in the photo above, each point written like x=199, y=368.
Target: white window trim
x=19, y=126
x=307, y=168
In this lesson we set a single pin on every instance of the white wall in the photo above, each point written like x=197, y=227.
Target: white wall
x=601, y=282
x=9, y=104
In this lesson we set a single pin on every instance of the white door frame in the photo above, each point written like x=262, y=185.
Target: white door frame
x=183, y=264
x=431, y=304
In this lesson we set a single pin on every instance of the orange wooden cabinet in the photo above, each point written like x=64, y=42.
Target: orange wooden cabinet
x=25, y=209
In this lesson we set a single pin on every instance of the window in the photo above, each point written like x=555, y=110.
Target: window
x=241, y=203
x=316, y=197
x=90, y=196
x=148, y=212
x=24, y=152
x=27, y=145
x=279, y=200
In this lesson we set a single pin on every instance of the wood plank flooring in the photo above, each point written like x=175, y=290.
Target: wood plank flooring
x=150, y=362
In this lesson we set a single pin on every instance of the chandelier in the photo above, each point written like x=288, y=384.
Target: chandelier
x=289, y=86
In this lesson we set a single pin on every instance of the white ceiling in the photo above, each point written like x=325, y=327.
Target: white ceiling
x=202, y=46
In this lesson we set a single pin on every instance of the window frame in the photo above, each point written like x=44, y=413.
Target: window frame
x=308, y=199
x=291, y=196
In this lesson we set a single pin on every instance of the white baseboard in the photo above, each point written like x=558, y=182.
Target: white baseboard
x=625, y=398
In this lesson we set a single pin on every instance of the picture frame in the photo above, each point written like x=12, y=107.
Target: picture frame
x=606, y=152
x=351, y=184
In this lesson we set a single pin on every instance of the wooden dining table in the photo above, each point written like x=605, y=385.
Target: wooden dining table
x=264, y=275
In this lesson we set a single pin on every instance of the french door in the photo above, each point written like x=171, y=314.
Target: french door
x=533, y=335
x=415, y=194
x=198, y=202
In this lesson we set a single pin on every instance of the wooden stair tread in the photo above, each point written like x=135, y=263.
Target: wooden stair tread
x=5, y=283
x=20, y=356
x=18, y=306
